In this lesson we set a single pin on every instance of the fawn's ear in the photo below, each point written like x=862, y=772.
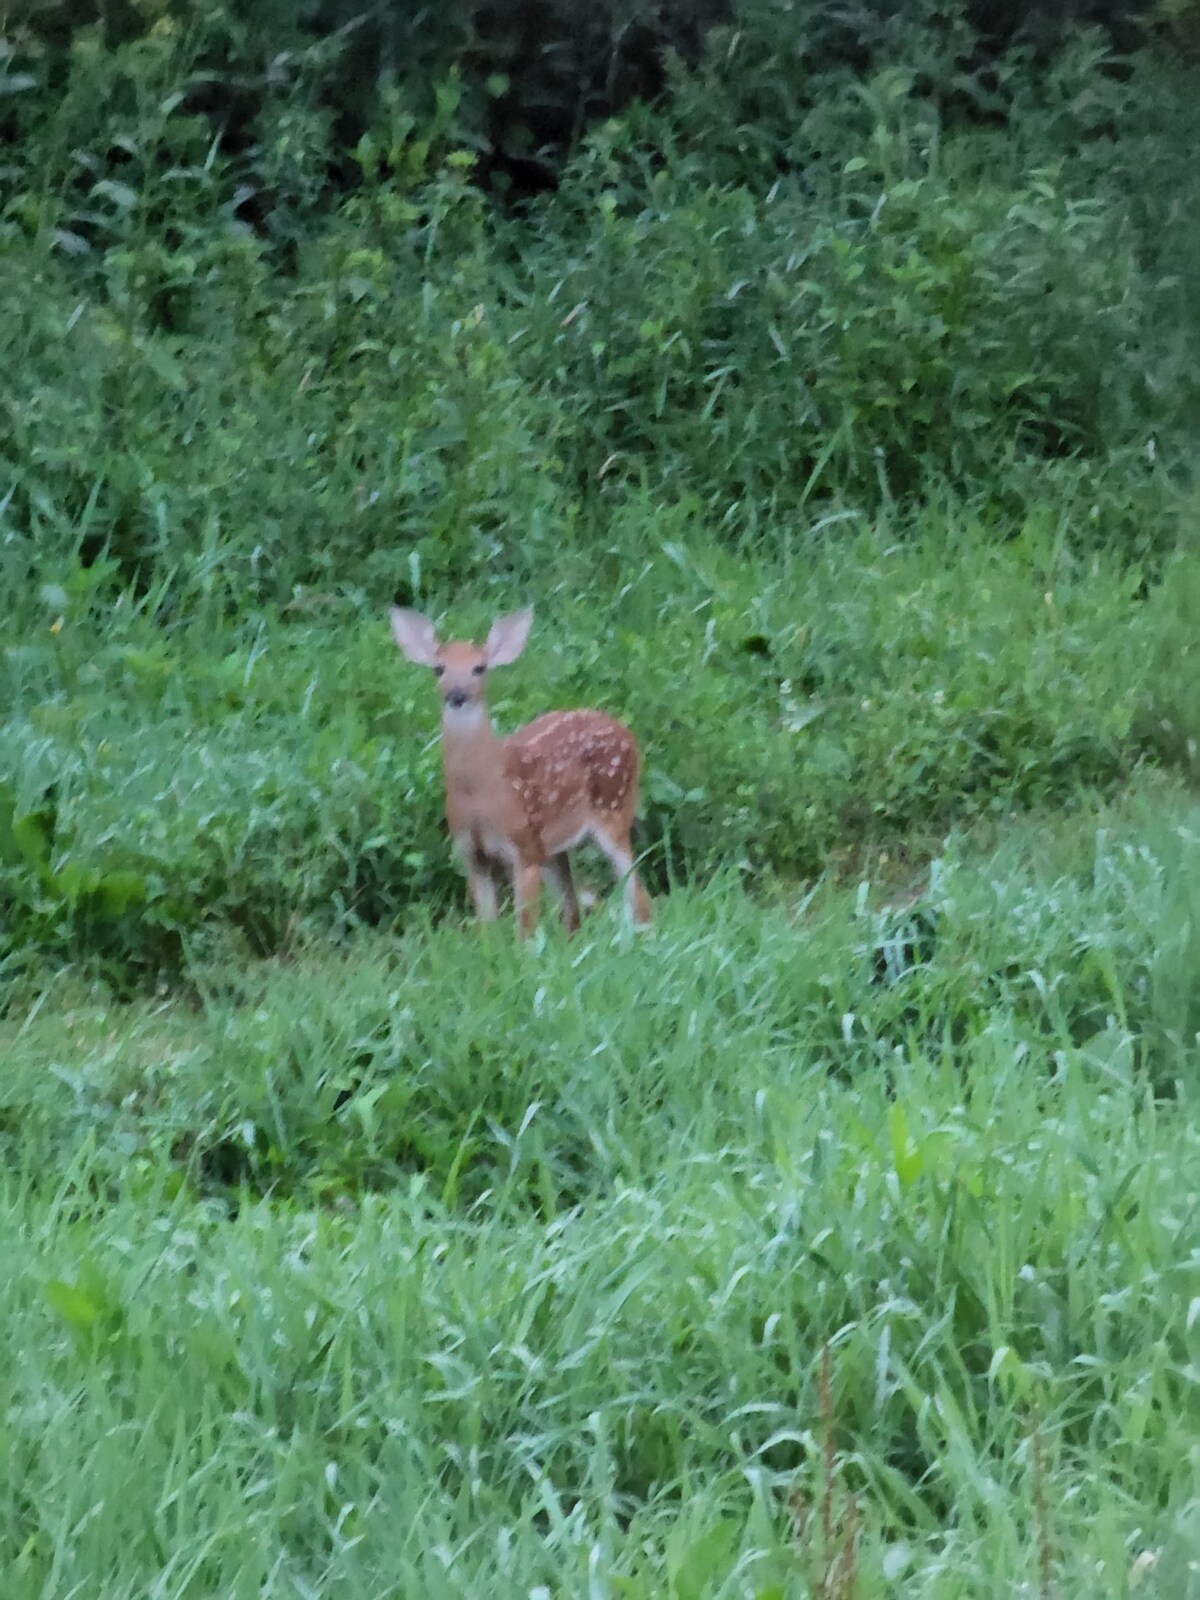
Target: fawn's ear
x=415, y=636
x=507, y=638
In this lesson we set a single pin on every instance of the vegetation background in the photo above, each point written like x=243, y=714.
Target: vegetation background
x=828, y=376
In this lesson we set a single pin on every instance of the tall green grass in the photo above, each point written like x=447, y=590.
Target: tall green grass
x=836, y=412
x=320, y=1282
x=168, y=781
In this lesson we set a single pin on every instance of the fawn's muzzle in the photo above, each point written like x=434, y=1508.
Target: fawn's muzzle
x=456, y=698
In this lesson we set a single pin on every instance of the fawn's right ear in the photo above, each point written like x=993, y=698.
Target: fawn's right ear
x=415, y=636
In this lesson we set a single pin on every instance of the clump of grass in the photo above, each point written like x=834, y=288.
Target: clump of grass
x=827, y=1538
x=541, y=1277
x=1041, y=1515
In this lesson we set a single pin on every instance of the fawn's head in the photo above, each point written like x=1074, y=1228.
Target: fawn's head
x=461, y=668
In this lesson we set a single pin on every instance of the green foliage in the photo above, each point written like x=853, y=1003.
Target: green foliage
x=553, y=1265
x=835, y=406
x=859, y=696
x=781, y=359
x=51, y=897
x=217, y=348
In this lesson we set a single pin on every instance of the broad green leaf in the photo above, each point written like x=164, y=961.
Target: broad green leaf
x=906, y=1157
x=115, y=892
x=73, y=1305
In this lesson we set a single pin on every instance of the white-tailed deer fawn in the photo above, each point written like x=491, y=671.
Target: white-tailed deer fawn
x=519, y=804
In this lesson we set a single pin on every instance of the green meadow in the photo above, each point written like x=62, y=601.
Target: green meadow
x=827, y=383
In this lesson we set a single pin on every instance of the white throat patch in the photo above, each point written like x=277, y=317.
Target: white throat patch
x=464, y=719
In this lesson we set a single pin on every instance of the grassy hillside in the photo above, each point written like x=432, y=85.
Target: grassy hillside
x=830, y=391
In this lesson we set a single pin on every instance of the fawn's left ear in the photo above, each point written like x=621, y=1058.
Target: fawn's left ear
x=415, y=636
x=507, y=638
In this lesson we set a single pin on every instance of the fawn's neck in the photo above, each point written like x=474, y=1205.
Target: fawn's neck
x=470, y=746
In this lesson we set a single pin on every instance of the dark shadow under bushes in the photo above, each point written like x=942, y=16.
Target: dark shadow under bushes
x=534, y=75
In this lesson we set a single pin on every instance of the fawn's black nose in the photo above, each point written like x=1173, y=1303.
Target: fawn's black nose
x=456, y=698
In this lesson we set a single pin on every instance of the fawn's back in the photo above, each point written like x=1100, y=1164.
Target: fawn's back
x=573, y=771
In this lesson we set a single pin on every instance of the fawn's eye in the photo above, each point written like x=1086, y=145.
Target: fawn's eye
x=479, y=670
x=438, y=670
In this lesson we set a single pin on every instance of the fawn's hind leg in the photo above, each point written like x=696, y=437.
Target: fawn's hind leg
x=616, y=845
x=483, y=888
x=558, y=871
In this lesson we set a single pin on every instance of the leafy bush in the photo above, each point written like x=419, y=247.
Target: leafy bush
x=884, y=304
x=777, y=357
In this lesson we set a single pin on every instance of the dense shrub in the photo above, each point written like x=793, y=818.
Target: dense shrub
x=781, y=356
x=845, y=297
